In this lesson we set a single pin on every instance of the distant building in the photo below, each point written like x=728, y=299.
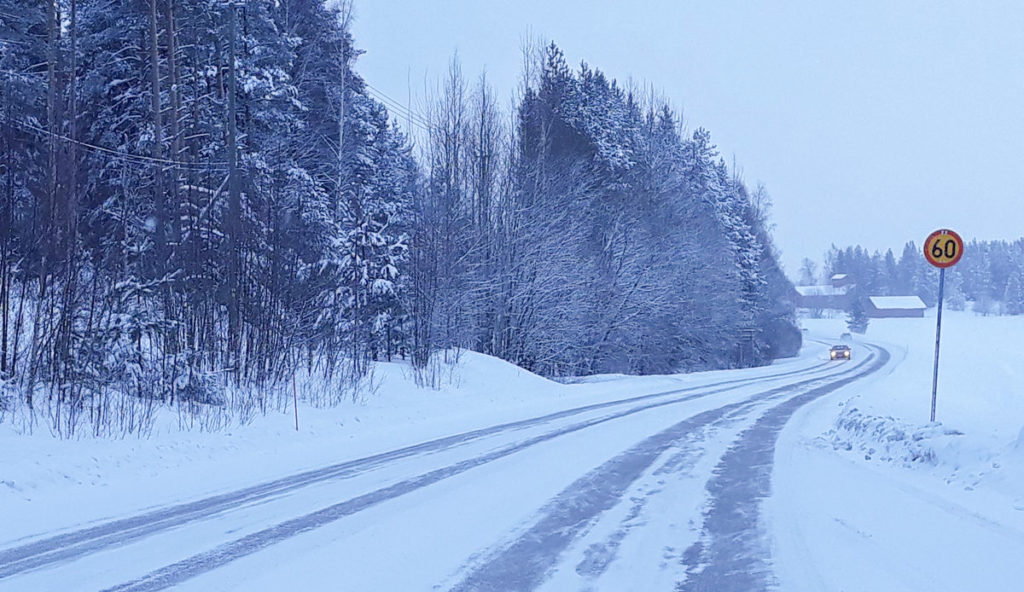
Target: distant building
x=835, y=295
x=842, y=280
x=822, y=297
x=881, y=307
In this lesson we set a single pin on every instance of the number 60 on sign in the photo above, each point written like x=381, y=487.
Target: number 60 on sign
x=943, y=248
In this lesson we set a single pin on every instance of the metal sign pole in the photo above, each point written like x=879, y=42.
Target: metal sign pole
x=938, y=333
x=295, y=402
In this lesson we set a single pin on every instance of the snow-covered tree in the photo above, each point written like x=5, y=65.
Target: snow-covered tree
x=1013, y=296
x=857, y=318
x=808, y=273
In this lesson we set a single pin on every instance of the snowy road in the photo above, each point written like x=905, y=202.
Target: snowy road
x=655, y=491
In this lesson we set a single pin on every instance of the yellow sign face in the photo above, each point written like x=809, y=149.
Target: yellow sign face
x=943, y=248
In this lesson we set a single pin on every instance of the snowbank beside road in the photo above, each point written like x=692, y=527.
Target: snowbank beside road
x=981, y=380
x=978, y=438
x=868, y=494
x=39, y=473
x=890, y=439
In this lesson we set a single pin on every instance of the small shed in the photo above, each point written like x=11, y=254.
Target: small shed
x=842, y=280
x=822, y=297
x=881, y=307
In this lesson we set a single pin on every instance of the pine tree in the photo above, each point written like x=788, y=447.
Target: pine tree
x=857, y=318
x=808, y=273
x=890, y=275
x=954, y=290
x=1013, y=297
x=906, y=269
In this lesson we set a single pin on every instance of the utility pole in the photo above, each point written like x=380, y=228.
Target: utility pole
x=158, y=139
x=234, y=200
x=345, y=15
x=6, y=228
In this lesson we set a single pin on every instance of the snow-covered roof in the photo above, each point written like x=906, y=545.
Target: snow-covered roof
x=897, y=302
x=821, y=290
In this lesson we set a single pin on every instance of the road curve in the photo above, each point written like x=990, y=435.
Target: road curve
x=77, y=543
x=733, y=555
x=590, y=496
x=526, y=562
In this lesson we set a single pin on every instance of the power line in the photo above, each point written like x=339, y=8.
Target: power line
x=404, y=110
x=409, y=118
x=412, y=116
x=13, y=42
x=13, y=16
x=126, y=156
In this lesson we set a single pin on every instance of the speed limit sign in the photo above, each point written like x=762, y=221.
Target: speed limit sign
x=943, y=248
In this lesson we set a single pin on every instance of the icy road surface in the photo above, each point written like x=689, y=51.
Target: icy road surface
x=655, y=491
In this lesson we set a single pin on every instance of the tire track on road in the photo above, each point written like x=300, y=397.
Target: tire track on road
x=197, y=564
x=525, y=563
x=79, y=543
x=733, y=554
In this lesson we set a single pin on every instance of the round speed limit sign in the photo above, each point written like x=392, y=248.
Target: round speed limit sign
x=943, y=248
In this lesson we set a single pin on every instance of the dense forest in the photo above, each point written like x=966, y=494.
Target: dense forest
x=200, y=201
x=989, y=278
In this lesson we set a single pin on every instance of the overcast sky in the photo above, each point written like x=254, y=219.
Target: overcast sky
x=870, y=123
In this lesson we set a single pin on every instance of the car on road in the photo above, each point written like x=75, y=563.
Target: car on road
x=839, y=352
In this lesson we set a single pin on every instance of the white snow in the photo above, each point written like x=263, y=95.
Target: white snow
x=108, y=478
x=822, y=290
x=869, y=495
x=898, y=302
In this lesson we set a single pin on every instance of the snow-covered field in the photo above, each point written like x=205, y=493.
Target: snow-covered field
x=632, y=492
x=869, y=495
x=979, y=430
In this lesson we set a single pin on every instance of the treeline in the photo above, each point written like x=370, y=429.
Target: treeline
x=592, y=236
x=989, y=277
x=196, y=195
x=202, y=199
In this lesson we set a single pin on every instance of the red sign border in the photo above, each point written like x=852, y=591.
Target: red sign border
x=939, y=232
